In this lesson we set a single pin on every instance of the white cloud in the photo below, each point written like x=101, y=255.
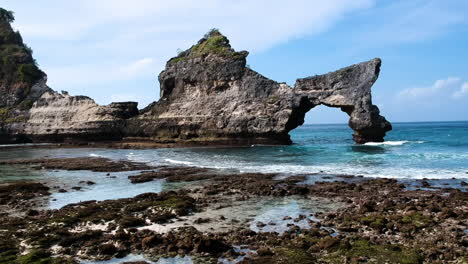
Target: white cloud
x=89, y=43
x=253, y=25
x=462, y=92
x=85, y=74
x=424, y=92
x=138, y=68
x=132, y=98
x=412, y=21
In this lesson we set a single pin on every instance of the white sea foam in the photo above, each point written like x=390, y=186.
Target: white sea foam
x=95, y=155
x=179, y=162
x=366, y=166
x=392, y=143
x=409, y=173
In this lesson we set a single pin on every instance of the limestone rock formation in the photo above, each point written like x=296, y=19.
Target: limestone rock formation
x=58, y=117
x=32, y=112
x=61, y=117
x=208, y=94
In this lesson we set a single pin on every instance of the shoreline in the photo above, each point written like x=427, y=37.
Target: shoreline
x=367, y=219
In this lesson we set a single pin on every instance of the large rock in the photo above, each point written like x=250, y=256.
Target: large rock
x=61, y=117
x=32, y=112
x=208, y=94
x=58, y=117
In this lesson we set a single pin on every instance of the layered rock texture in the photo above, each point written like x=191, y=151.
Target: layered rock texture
x=208, y=95
x=32, y=112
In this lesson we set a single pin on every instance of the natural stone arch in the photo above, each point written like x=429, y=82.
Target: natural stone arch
x=348, y=89
x=209, y=95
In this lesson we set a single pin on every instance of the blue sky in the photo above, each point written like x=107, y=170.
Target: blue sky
x=113, y=50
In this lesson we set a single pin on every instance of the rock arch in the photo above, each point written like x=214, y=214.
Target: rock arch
x=350, y=90
x=209, y=95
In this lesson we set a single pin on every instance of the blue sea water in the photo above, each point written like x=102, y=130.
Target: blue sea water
x=437, y=151
x=434, y=150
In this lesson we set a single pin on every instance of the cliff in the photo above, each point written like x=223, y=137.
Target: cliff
x=32, y=112
x=208, y=95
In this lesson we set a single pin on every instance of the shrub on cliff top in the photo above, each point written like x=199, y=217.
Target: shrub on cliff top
x=6, y=15
x=213, y=42
x=18, y=70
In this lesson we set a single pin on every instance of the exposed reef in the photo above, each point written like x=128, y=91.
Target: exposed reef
x=208, y=96
x=352, y=220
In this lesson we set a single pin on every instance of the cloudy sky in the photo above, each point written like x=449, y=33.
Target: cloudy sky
x=113, y=50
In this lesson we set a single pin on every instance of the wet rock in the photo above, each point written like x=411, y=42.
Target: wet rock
x=92, y=164
x=201, y=221
x=425, y=184
x=87, y=182
x=264, y=252
x=107, y=249
x=173, y=174
x=22, y=194
x=32, y=212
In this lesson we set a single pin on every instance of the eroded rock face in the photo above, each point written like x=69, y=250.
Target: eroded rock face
x=208, y=94
x=62, y=117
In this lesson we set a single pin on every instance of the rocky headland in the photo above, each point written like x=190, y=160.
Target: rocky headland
x=208, y=96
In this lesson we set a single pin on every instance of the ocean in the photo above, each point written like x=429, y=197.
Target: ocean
x=433, y=150
x=437, y=151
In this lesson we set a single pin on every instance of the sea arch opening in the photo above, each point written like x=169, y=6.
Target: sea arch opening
x=322, y=123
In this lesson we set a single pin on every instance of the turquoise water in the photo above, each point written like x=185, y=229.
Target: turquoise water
x=412, y=150
x=436, y=150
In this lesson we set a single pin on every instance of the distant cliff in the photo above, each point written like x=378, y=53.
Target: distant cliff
x=208, y=95
x=32, y=112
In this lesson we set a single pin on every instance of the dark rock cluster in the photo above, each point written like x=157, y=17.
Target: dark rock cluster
x=375, y=221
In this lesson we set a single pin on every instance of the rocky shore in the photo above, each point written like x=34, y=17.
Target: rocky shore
x=360, y=220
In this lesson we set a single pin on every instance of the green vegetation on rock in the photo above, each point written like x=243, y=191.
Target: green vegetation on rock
x=10, y=254
x=6, y=15
x=18, y=70
x=363, y=249
x=374, y=221
x=293, y=256
x=212, y=43
x=41, y=257
x=416, y=219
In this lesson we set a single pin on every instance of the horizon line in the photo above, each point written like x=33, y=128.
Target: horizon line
x=395, y=122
